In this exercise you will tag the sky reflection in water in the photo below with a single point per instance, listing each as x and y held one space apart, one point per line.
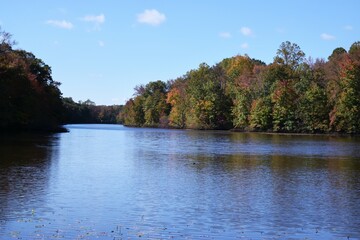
112 182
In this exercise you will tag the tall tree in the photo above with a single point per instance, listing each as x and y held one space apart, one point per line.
284 99
337 52
155 105
241 84
289 54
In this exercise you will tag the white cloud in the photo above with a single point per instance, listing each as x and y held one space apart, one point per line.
152 17
60 24
244 46
101 43
246 31
327 37
97 20
225 35
348 27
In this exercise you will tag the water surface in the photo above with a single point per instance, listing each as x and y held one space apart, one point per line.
113 182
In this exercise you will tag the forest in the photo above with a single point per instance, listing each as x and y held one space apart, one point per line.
294 94
31 100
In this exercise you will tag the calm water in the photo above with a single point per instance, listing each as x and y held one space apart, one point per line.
112 182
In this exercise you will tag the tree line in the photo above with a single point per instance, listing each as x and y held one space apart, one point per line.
31 100
89 112
292 94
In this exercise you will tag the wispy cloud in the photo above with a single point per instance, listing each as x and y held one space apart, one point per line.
225 35
151 17
348 27
60 24
101 44
246 31
327 37
97 20
244 46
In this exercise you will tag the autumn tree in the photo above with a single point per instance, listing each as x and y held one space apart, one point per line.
177 98
242 86
292 94
346 113
29 97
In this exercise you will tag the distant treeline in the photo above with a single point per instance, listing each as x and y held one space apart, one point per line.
292 94
31 100
88 112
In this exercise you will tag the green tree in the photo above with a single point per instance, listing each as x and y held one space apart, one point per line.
133 113
148 107
287 86
261 114
155 106
284 100
337 52
241 108
289 54
314 110
208 104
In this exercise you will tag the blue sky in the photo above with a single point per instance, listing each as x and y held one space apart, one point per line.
100 50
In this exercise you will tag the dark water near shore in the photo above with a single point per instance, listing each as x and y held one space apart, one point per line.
112 182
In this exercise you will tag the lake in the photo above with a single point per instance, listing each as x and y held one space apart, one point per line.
114 182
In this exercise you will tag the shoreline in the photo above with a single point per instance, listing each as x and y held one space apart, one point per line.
334 134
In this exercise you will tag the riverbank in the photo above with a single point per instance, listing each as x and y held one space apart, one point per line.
254 131
45 129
